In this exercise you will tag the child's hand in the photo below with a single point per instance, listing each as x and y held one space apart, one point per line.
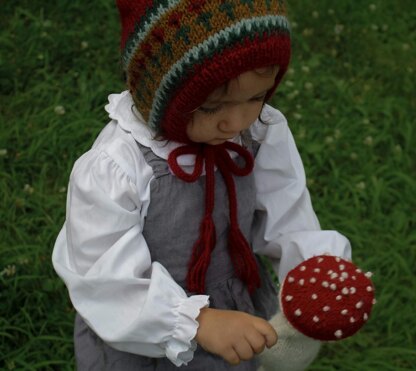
233 335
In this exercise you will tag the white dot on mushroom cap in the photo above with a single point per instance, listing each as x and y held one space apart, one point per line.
354 278
325 284
342 267
314 296
369 288
353 290
339 297
320 260
315 318
333 286
345 291
344 312
341 279
365 316
298 312
290 279
374 301
334 275
338 333
352 319
337 259
301 282
303 268
288 297
316 270
359 305
326 308
344 274
369 274
312 280
358 270
330 272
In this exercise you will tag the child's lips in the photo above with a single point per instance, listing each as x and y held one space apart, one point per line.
229 137
221 140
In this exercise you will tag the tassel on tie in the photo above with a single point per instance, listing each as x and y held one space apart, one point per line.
201 255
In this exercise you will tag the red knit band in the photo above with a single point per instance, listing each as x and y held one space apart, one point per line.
129 15
221 68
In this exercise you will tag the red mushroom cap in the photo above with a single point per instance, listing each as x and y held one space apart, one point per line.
327 298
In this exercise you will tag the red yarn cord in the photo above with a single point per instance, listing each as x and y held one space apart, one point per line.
201 252
229 182
242 257
246 155
201 256
239 249
209 154
177 170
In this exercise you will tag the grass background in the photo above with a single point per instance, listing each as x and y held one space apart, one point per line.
350 101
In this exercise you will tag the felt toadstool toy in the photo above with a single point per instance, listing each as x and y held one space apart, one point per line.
325 298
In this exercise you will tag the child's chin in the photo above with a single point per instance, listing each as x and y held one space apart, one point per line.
216 142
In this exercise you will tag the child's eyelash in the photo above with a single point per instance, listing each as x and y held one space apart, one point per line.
211 111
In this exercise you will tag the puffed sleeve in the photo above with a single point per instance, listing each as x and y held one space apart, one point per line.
285 226
134 305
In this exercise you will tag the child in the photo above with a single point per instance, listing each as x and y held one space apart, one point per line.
193 175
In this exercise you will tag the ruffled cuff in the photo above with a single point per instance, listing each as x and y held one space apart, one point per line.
181 347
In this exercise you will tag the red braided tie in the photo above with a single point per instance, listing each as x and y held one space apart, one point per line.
241 255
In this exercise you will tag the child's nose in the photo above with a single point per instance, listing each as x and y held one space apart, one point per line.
234 122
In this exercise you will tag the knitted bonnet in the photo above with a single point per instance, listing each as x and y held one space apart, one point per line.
175 54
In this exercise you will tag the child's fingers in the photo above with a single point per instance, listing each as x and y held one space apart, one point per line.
257 341
267 331
231 357
244 350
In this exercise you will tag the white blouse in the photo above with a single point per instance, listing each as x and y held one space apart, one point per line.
132 303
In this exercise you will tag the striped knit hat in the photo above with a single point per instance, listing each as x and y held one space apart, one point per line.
176 52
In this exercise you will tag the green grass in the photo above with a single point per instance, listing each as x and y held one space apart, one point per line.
349 98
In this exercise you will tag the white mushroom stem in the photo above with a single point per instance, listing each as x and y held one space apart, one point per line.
294 351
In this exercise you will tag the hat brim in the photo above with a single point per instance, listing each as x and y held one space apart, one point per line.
205 78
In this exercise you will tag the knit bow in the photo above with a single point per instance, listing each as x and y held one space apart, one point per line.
241 255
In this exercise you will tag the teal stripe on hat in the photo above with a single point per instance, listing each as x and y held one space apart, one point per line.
215 44
145 25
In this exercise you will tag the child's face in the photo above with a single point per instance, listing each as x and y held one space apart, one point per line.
225 114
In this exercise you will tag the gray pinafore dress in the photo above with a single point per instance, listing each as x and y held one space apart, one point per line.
171 229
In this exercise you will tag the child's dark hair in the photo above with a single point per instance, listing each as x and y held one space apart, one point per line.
260 119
